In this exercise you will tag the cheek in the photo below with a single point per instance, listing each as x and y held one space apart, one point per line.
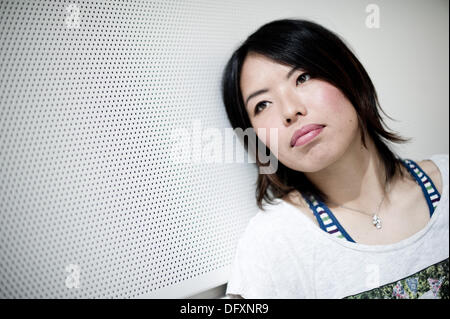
337 107
331 98
274 138
259 125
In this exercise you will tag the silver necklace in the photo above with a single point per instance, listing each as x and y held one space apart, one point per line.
376 220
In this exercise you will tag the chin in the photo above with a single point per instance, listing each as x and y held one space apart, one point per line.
307 166
316 167
312 163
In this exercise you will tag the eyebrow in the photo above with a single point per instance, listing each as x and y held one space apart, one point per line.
288 75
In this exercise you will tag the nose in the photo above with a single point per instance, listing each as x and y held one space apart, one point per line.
292 119
292 109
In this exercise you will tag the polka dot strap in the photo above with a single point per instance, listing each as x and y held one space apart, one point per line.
429 190
326 219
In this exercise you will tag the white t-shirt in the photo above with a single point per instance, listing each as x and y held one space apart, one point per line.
283 254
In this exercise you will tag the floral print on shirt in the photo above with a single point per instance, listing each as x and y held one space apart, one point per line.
429 283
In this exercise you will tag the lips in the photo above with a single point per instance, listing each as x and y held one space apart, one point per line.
304 130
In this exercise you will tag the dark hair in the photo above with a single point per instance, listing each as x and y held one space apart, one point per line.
321 53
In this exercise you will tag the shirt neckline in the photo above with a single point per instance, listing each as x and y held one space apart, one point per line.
380 248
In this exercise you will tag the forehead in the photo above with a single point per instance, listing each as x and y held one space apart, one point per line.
258 70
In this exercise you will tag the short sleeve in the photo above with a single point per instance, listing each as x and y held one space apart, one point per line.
250 270
441 160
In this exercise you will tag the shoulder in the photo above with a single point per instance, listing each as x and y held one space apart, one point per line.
269 226
256 232
265 222
436 167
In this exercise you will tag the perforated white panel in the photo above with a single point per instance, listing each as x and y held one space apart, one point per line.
91 203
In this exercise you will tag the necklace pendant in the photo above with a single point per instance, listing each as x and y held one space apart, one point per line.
376 221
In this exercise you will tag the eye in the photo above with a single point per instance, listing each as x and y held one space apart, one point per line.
258 105
304 77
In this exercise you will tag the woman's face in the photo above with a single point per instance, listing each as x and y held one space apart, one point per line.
291 103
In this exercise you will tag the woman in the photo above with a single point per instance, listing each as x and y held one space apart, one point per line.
346 217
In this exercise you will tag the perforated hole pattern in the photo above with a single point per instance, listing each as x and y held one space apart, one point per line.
90 92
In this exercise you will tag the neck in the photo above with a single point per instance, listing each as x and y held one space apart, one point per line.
357 179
